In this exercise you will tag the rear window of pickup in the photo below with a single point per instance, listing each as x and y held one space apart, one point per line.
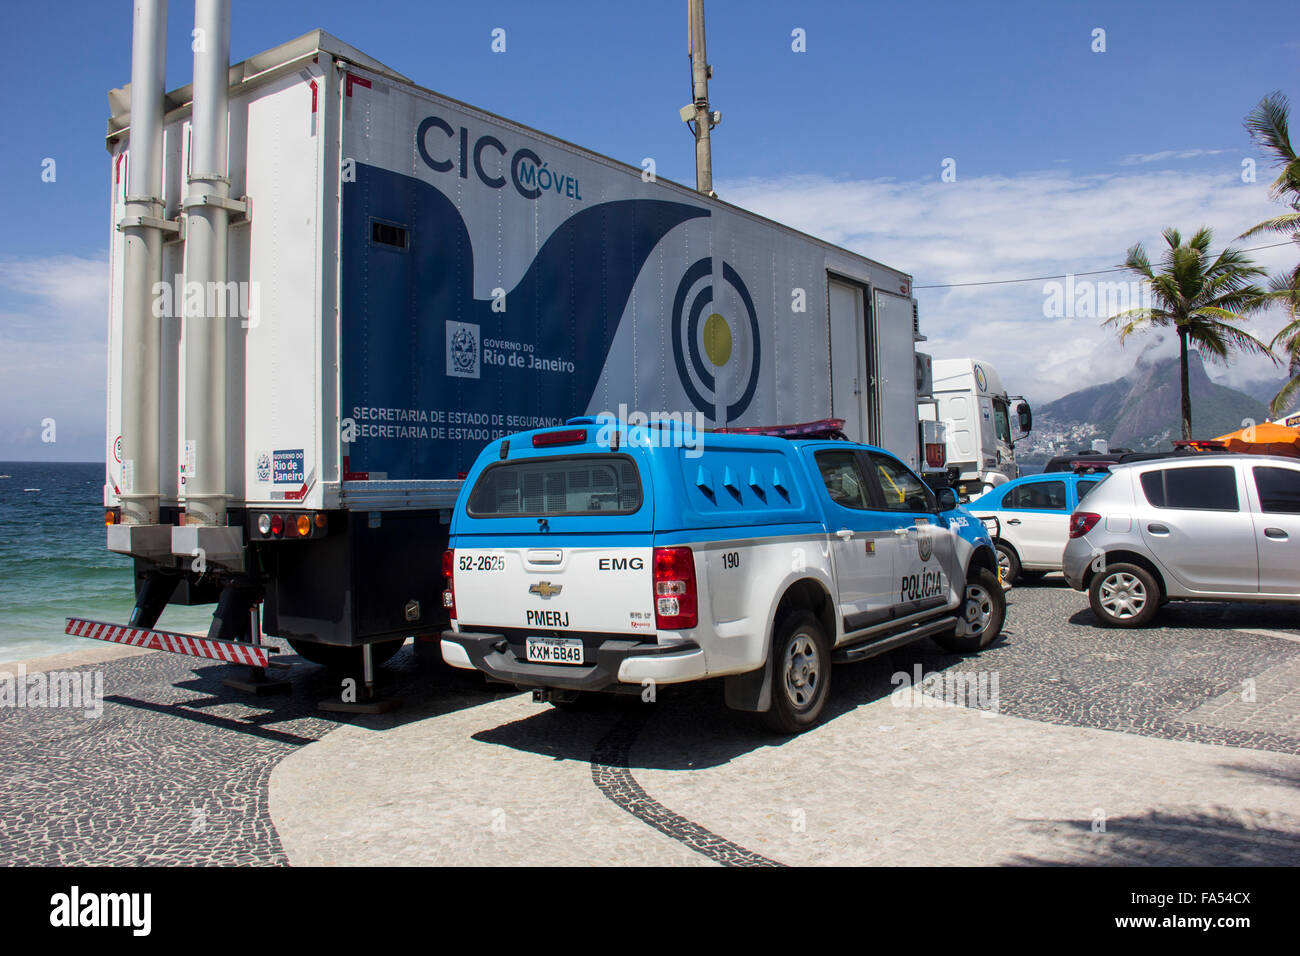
546 487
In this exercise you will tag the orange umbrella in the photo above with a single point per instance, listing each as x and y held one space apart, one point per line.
1265 438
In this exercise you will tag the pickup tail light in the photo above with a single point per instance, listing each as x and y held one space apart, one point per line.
1081 522
571 436
676 604
449 593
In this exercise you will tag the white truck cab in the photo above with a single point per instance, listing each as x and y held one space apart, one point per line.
982 422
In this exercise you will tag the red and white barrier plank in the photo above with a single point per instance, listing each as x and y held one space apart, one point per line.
228 652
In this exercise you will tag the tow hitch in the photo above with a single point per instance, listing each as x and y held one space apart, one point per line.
553 695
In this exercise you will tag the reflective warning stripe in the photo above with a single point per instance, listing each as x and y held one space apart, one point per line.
230 652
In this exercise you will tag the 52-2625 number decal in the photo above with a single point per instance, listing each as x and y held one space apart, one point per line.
480 562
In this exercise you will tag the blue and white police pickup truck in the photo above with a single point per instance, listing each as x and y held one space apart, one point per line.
605 557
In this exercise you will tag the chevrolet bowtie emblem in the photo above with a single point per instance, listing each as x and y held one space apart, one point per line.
545 589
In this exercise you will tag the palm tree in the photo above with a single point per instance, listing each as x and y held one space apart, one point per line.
1201 297
1268 128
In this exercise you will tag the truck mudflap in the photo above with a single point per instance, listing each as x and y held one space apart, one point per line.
228 652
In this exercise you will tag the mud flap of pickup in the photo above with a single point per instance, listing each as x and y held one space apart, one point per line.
751 691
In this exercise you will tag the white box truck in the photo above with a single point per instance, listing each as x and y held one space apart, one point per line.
406 278
982 423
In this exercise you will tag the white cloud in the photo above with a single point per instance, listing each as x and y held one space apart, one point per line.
53 332
1136 158
1039 224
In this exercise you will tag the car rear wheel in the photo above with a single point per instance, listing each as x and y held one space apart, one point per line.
981 614
1124 595
1008 563
801 673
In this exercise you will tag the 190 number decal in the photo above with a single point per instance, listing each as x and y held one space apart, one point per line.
731 559
481 562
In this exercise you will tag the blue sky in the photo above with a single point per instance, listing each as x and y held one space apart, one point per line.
1064 156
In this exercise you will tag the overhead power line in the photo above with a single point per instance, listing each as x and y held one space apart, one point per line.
1094 272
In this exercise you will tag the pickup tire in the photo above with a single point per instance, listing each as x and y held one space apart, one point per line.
800 665
344 659
982 610
1009 562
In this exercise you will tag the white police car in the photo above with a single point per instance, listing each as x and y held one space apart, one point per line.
602 557
1033 519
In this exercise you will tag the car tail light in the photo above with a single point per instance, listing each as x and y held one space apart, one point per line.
570 436
674 587
1081 522
449 594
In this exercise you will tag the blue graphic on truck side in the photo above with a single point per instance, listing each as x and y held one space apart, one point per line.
430 373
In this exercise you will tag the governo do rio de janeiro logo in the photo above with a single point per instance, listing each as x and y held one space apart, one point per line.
715 341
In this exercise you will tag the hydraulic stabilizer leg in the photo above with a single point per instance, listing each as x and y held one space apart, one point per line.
258 681
368 701
151 596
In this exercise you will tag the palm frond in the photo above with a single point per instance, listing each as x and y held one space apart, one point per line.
1267 125
1287 224
1224 339
1282 400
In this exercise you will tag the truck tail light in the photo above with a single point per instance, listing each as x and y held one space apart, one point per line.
674 586
295 525
1081 522
449 593
936 455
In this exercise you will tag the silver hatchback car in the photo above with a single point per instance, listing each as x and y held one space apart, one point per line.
1200 528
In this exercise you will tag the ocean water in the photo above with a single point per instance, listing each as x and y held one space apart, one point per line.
53 562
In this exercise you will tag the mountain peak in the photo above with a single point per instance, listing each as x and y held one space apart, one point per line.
1142 409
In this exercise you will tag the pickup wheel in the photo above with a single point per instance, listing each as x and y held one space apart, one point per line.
982 612
801 673
345 659
1124 595
1008 563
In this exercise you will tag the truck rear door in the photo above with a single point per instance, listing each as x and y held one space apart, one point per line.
895 378
551 548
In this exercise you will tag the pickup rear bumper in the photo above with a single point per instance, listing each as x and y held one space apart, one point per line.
619 665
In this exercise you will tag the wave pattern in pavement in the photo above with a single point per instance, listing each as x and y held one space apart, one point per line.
611 774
